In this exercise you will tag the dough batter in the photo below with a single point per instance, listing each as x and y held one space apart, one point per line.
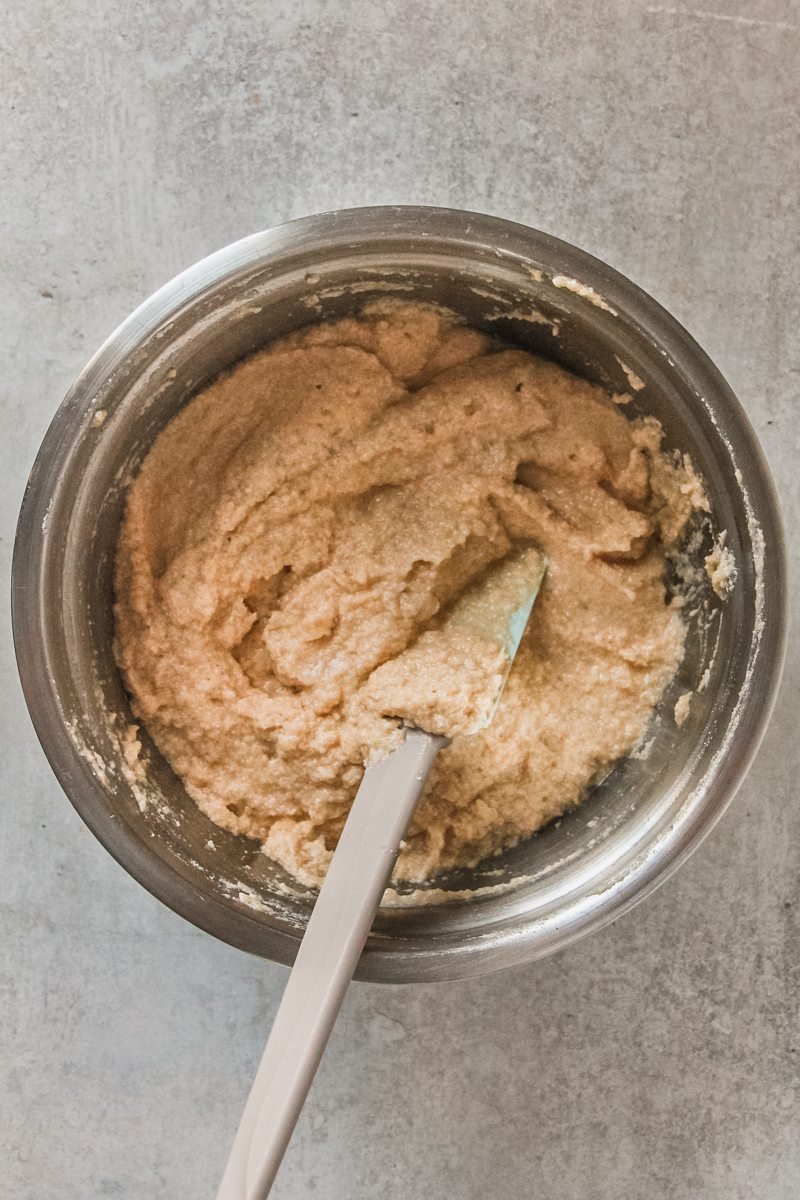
299 528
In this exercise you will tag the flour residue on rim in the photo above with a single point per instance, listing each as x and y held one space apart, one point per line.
584 291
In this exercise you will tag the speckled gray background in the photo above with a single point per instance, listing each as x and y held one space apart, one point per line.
659 1058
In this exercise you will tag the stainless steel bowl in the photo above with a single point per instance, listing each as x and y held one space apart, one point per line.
528 288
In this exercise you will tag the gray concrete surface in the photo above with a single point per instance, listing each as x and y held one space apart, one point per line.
657 1059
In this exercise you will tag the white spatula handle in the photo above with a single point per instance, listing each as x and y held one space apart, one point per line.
333 941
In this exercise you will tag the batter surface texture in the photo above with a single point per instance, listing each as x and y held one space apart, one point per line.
296 535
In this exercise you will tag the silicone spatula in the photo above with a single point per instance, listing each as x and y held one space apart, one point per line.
496 609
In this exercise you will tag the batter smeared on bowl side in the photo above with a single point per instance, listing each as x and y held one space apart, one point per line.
296 534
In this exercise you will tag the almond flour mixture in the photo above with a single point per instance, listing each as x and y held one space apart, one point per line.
298 530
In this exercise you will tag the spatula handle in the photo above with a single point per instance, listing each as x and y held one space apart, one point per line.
333 941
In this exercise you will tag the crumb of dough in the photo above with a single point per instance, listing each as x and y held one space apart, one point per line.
634 380
682 706
721 567
132 751
297 531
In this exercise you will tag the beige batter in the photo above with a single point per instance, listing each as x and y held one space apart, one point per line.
296 535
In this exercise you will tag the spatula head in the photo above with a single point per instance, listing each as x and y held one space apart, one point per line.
448 682
496 608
